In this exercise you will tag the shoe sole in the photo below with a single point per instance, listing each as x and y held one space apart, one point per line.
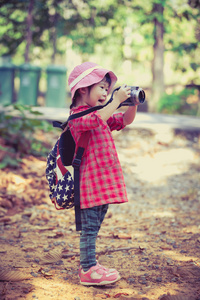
101 283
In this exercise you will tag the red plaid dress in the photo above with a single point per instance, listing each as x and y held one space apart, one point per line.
101 177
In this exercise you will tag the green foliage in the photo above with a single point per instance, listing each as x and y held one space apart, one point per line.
8 158
177 103
82 21
18 134
169 103
110 32
12 24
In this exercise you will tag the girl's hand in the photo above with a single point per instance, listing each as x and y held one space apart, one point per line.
122 94
119 96
129 115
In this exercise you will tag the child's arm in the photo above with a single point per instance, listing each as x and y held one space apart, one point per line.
129 115
119 96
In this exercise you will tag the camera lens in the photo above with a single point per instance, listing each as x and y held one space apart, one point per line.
141 96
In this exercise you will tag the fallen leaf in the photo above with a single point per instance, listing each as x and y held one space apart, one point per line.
45 228
165 248
5 220
55 234
142 248
122 236
118 295
101 296
51 257
29 249
46 274
44 216
13 276
169 297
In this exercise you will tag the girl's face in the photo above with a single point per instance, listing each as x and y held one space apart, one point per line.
97 94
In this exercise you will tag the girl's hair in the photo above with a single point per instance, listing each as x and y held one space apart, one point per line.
108 80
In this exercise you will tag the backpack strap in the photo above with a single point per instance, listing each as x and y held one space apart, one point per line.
77 115
82 113
82 145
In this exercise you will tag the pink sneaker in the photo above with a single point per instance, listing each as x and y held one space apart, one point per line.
104 268
98 275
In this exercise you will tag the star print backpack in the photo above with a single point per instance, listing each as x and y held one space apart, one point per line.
64 190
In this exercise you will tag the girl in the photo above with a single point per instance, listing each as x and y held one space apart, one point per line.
101 178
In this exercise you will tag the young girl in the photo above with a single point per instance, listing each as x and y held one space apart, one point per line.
101 178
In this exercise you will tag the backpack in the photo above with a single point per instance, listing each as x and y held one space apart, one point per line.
64 192
61 195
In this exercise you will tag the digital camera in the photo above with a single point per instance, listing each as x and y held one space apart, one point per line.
137 97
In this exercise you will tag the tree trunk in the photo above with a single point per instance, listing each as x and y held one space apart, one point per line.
54 17
29 22
158 86
53 57
54 37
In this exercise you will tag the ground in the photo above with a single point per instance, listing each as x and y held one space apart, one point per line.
153 240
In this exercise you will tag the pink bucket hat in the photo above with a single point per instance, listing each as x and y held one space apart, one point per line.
86 74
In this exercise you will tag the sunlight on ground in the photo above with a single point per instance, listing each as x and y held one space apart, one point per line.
18 179
59 290
176 256
33 163
163 164
17 184
163 214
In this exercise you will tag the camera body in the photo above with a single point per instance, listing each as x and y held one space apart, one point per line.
137 97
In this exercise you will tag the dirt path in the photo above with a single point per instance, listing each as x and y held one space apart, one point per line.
159 229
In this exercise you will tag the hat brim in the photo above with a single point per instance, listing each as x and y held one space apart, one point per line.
94 77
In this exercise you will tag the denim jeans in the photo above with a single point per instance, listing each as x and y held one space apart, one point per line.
91 219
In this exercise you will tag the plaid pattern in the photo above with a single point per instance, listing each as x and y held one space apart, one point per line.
91 219
101 177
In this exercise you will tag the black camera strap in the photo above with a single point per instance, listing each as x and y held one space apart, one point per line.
83 113
76 116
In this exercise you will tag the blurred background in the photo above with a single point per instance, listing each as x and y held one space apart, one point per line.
153 44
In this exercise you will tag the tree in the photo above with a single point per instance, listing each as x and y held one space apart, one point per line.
29 22
132 36
172 26
22 23
12 26
158 85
